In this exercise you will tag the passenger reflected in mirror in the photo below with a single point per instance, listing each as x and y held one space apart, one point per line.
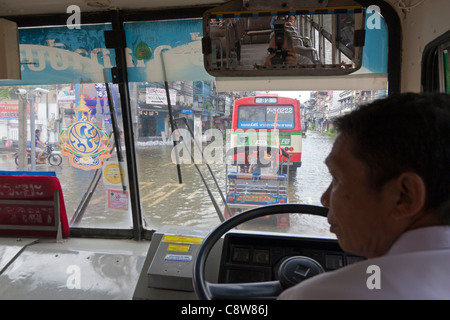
300 42
281 47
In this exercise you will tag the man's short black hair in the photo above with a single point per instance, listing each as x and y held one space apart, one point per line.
404 132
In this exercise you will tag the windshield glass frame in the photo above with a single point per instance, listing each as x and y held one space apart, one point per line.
138 230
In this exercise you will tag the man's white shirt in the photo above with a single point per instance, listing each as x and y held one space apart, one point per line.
417 266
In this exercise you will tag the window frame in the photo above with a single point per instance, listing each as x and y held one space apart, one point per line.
432 77
117 19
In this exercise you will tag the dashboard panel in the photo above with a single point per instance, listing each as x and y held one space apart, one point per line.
256 258
237 257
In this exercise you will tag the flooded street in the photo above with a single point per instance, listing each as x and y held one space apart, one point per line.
166 202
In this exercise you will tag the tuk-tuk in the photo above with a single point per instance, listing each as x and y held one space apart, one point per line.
257 176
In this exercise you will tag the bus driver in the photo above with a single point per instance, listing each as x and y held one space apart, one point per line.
389 201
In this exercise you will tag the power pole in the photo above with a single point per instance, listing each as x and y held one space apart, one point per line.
22 133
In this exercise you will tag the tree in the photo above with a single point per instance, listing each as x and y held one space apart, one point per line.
5 93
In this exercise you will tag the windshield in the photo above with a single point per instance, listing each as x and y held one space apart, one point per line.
180 136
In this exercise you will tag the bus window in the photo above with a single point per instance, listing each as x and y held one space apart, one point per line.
63 95
267 117
74 66
255 120
435 65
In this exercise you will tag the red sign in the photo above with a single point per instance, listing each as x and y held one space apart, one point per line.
28 206
11 110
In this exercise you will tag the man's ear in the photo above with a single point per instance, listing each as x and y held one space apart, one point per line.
411 193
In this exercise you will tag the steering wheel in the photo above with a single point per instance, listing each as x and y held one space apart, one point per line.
212 291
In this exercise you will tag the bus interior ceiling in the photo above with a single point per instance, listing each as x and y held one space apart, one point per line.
29 7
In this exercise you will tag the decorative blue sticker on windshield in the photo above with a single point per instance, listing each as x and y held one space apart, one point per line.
156 51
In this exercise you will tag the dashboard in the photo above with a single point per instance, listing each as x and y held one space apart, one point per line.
256 258
238 257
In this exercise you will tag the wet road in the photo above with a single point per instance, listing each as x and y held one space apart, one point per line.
166 202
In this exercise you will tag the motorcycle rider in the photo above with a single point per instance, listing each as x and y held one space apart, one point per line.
40 147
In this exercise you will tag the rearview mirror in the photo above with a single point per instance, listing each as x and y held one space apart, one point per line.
286 42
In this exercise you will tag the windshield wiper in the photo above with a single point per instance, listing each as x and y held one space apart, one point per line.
213 200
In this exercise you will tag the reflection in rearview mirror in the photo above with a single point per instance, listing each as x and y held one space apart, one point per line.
326 41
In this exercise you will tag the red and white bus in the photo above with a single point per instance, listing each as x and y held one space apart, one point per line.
256 120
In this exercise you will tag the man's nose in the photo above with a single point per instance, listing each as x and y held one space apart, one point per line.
324 199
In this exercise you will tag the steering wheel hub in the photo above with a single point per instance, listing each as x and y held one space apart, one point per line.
294 270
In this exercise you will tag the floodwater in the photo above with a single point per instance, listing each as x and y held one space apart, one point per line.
165 201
